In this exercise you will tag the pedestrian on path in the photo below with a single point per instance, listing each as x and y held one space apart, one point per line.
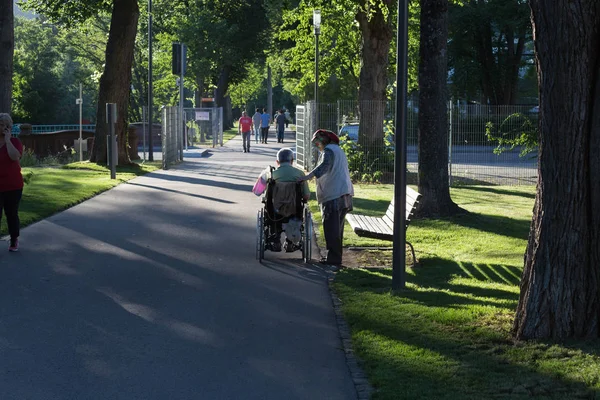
256 119
280 125
11 180
245 128
265 122
334 192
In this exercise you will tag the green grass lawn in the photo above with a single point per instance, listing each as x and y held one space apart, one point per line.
49 190
229 134
447 335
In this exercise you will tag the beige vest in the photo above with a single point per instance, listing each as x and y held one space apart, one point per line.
336 182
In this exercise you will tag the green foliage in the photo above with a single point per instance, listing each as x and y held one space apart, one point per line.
28 159
369 164
488 38
516 130
49 63
69 13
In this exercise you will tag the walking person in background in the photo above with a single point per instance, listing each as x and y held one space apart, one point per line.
288 118
11 180
245 128
334 192
280 125
256 120
264 126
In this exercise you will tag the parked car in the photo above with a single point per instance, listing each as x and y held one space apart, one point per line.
350 131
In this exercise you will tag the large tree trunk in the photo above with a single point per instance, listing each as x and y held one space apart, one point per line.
559 286
7 46
433 120
116 79
377 32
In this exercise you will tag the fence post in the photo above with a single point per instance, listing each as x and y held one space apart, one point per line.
111 119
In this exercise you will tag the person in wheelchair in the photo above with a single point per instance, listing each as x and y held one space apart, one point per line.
285 203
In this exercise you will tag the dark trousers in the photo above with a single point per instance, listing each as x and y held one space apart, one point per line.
9 201
246 140
280 132
333 214
264 134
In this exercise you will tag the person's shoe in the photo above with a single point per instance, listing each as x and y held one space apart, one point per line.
326 262
14 245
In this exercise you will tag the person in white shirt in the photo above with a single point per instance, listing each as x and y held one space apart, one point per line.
256 121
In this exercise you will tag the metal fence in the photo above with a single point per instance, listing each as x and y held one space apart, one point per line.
204 126
172 137
472 156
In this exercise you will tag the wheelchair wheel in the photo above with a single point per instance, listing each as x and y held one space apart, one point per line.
260 235
307 237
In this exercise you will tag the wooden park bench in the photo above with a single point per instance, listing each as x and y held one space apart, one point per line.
383 227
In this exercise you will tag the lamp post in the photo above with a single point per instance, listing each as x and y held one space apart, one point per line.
317 26
399 252
150 144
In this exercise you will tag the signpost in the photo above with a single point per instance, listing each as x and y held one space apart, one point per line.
80 102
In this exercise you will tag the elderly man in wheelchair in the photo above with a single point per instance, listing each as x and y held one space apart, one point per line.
285 210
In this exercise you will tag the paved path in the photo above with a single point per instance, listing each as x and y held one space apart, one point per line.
152 291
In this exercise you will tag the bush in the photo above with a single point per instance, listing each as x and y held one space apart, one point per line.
28 159
516 130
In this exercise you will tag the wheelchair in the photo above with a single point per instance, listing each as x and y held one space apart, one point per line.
284 211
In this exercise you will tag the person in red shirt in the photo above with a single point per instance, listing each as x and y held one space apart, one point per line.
245 128
11 180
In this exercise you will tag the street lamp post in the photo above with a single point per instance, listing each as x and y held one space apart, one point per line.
150 144
317 26
399 252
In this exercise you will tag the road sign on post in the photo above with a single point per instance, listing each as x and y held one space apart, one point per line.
80 102
111 145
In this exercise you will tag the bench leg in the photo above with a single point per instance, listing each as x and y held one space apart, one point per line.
412 250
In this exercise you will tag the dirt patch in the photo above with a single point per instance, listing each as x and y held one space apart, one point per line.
371 258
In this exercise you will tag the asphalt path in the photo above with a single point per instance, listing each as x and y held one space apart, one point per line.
151 291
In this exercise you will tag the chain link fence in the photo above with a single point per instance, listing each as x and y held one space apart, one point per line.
474 134
204 126
172 138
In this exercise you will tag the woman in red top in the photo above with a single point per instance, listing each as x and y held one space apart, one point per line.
11 180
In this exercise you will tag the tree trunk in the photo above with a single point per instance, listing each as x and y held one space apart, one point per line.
116 79
199 92
559 286
7 46
222 88
433 119
377 32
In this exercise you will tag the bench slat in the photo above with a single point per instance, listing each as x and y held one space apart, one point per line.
383 227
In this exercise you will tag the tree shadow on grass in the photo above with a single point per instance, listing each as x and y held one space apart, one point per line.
437 273
500 191
437 354
438 364
499 225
